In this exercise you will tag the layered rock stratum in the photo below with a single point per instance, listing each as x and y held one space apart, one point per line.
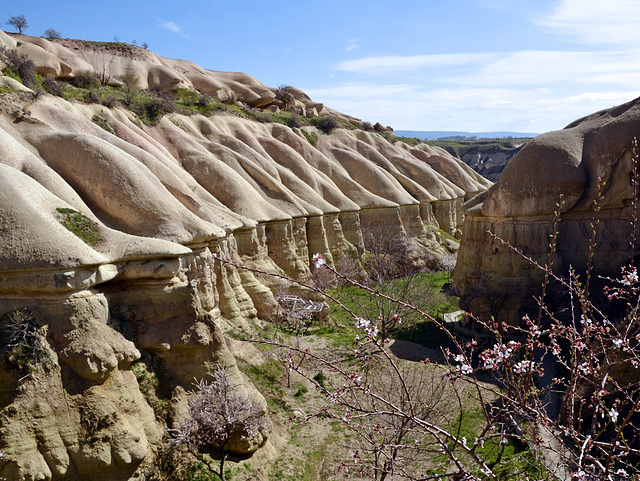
562 172
162 202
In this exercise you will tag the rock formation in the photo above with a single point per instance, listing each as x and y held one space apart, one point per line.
591 152
109 237
489 162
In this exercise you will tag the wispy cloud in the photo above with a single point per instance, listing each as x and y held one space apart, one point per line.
478 109
596 21
378 64
352 44
520 90
546 68
173 27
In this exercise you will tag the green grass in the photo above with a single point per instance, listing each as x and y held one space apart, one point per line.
444 234
511 460
311 137
309 468
412 141
7 72
79 224
417 329
101 122
269 378
151 106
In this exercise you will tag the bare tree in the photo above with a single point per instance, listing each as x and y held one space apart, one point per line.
387 266
219 412
52 33
102 64
389 441
19 22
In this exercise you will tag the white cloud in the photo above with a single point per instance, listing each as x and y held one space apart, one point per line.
544 68
411 107
526 91
378 64
352 44
596 21
173 27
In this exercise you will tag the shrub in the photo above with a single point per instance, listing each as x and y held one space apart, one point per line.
110 101
91 97
294 122
188 97
326 124
24 345
155 107
320 379
86 79
130 88
204 100
8 72
20 64
52 86
285 96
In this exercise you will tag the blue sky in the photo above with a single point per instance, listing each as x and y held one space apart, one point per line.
470 65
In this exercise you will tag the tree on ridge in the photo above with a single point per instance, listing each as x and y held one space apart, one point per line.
19 22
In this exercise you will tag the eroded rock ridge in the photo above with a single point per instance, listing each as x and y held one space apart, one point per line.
593 153
152 206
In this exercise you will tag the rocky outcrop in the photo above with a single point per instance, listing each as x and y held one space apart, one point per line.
489 162
111 238
592 152
67 59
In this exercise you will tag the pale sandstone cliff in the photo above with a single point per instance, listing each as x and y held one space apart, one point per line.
165 199
520 208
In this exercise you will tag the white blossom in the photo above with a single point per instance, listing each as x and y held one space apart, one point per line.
614 415
523 366
319 260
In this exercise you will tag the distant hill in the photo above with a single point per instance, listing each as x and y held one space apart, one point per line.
439 134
